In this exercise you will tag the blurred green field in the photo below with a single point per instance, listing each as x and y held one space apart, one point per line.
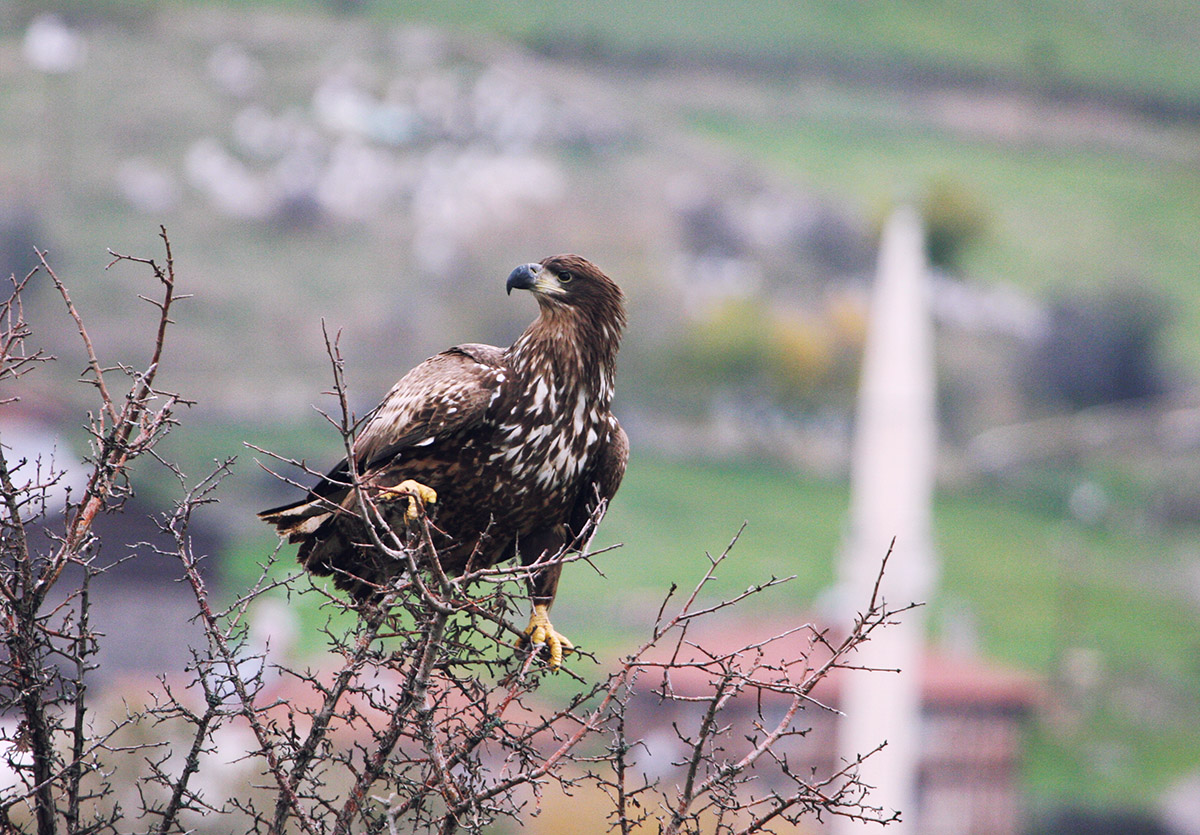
1139 47
1039 587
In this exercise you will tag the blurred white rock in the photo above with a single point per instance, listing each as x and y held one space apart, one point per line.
234 70
51 46
149 187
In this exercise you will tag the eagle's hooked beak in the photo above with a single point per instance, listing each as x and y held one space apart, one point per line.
523 277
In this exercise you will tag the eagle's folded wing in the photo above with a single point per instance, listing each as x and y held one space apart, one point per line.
446 393
601 485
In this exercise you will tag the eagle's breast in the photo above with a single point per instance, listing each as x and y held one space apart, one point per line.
550 422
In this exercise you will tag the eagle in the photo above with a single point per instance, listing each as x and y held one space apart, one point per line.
514 451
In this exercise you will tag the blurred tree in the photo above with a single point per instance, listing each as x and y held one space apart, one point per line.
20 233
777 358
1098 822
814 357
730 346
954 218
1100 350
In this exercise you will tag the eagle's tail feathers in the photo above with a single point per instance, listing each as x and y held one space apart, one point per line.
299 520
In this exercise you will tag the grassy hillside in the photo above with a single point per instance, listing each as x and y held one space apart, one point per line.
1108 196
1140 48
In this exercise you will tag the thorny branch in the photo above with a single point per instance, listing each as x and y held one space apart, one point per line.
458 766
426 713
49 655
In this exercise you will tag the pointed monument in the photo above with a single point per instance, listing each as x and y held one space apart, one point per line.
892 474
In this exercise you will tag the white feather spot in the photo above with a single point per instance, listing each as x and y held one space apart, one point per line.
539 394
580 408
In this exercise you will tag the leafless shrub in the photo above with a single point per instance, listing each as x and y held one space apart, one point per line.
424 717
49 649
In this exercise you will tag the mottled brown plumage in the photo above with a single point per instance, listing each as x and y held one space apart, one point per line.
519 444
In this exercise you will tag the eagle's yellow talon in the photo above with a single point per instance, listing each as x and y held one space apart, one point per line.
540 631
410 489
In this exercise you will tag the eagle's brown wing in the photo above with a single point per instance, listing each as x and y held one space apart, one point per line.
446 393
604 478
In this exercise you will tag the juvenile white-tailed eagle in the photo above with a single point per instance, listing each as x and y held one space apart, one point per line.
513 449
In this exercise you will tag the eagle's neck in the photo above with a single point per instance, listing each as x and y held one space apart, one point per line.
570 350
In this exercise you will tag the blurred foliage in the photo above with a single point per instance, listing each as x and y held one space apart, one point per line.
730 345
1091 822
1099 350
955 217
796 360
21 235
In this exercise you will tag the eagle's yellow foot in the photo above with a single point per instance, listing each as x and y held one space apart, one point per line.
410 490
540 631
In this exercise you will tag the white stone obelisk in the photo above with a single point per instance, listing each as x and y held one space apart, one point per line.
892 473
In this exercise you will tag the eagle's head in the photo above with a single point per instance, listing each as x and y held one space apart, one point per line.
570 284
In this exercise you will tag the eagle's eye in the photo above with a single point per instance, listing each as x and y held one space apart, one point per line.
565 278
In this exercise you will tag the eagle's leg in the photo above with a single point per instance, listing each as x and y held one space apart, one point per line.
541 631
543 585
415 493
